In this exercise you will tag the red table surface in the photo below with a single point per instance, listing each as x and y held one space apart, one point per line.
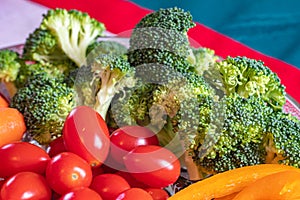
120 16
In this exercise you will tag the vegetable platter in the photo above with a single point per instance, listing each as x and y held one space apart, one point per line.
145 114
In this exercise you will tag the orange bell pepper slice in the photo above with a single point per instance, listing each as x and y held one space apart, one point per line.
281 185
228 182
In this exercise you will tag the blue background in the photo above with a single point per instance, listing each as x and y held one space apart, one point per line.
269 26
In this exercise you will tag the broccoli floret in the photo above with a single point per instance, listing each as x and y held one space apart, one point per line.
188 106
73 30
42 46
107 47
282 140
158 49
252 133
83 80
169 18
250 77
85 85
45 103
161 37
239 141
202 59
115 74
10 64
52 70
132 106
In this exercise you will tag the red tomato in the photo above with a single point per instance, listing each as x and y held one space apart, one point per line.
26 185
56 146
22 156
67 171
80 194
152 165
97 171
85 133
2 181
157 193
134 193
109 186
131 180
127 138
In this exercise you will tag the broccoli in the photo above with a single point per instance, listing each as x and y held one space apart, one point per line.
45 103
202 59
167 93
252 133
249 77
71 31
133 108
28 70
168 18
115 74
161 37
10 64
187 116
282 139
109 47
84 84
165 101
42 46
238 142
158 49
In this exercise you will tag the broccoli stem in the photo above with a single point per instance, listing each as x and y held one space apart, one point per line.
192 168
10 88
106 93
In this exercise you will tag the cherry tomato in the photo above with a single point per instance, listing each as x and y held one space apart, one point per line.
133 182
127 138
80 194
157 193
134 193
153 165
85 133
56 146
26 185
97 171
2 181
67 171
109 186
22 156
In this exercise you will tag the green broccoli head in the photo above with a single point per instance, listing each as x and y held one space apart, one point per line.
45 103
10 64
114 74
250 77
73 30
161 37
238 141
168 18
282 140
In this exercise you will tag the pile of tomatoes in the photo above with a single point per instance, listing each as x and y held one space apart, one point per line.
89 162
